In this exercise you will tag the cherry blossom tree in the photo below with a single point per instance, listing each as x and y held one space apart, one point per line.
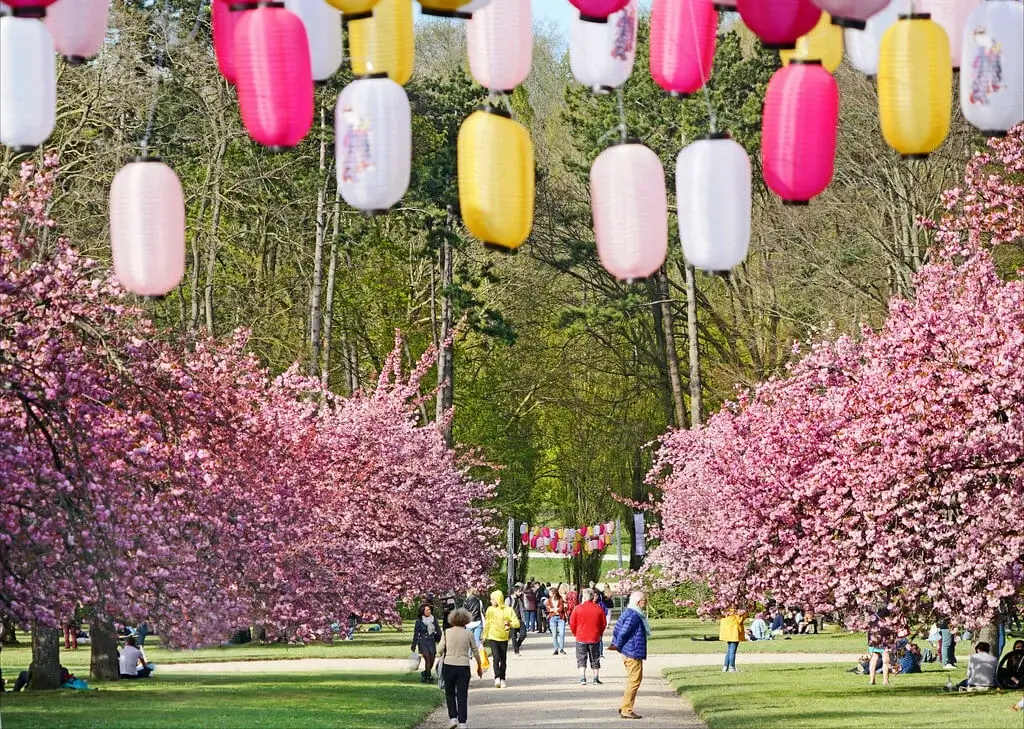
883 469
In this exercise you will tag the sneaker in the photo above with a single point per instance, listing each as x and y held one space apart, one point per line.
497 683
453 723
724 669
583 682
732 670
503 683
462 726
598 681
949 667
555 653
562 652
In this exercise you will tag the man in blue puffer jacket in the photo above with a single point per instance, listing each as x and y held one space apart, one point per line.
630 638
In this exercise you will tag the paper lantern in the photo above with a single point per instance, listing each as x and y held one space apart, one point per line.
824 42
725 6
384 42
610 527
863 47
627 193
496 179
992 74
601 55
147 227
323 32
354 9
452 8
545 532
952 16
598 10
851 13
224 22
524 538
78 28
499 41
600 528
778 23
31 5
713 196
28 81
373 143
682 44
523 528
798 131
914 79
274 79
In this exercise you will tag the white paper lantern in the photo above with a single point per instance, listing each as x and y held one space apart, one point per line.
373 143
323 30
601 55
863 47
499 41
627 194
992 70
78 28
713 195
147 227
28 81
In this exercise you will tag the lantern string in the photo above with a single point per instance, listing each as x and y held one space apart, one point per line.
622 113
712 119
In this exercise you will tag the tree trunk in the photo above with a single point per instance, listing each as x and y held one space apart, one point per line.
671 355
445 350
103 654
664 380
10 636
315 315
990 634
691 328
45 666
325 354
211 256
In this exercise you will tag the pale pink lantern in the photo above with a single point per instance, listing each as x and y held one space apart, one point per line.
147 227
78 28
778 23
682 44
952 16
598 10
499 41
627 194
798 131
851 13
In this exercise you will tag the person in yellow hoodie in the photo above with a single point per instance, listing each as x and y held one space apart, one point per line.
733 633
499 621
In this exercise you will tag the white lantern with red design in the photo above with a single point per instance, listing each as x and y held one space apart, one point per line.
601 55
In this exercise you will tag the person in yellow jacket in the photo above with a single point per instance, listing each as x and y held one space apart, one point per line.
733 633
499 621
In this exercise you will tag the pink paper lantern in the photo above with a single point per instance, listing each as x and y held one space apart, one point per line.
725 6
851 13
274 76
147 227
225 21
629 202
598 10
682 44
533 542
778 23
545 532
22 4
499 42
798 137
952 16
600 529
583 531
78 28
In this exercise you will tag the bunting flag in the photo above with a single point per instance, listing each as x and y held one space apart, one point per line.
567 540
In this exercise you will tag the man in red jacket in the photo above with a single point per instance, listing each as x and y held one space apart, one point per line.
587 624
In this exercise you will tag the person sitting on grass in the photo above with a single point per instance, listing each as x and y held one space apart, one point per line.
981 669
1018 706
810 624
132 661
758 629
1011 667
910 661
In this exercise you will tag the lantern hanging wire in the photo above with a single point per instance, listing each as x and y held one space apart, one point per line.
712 119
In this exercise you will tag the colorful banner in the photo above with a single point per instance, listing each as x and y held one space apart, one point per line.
568 540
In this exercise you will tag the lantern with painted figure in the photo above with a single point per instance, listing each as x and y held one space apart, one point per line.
714 198
147 227
601 55
630 208
863 47
274 77
914 79
992 71
824 42
778 23
28 80
323 32
496 178
384 42
952 16
798 137
78 28
499 42
682 44
851 13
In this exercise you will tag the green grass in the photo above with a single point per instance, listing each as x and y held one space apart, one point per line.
246 701
673 636
551 570
825 697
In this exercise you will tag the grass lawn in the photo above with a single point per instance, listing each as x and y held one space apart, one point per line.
553 570
673 636
824 697
252 701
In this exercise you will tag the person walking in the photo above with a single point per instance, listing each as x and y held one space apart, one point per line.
517 602
457 648
732 632
499 621
556 614
530 607
425 637
587 624
475 606
629 638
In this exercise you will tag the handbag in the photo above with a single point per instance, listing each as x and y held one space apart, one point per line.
413 662
440 673
485 662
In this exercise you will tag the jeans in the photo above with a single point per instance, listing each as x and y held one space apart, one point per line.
477 629
456 691
730 654
499 657
948 653
531 619
557 633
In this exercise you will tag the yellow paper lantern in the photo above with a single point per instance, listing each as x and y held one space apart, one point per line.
824 43
496 185
915 82
354 9
451 8
383 42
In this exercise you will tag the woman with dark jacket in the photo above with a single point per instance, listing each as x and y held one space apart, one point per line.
425 637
